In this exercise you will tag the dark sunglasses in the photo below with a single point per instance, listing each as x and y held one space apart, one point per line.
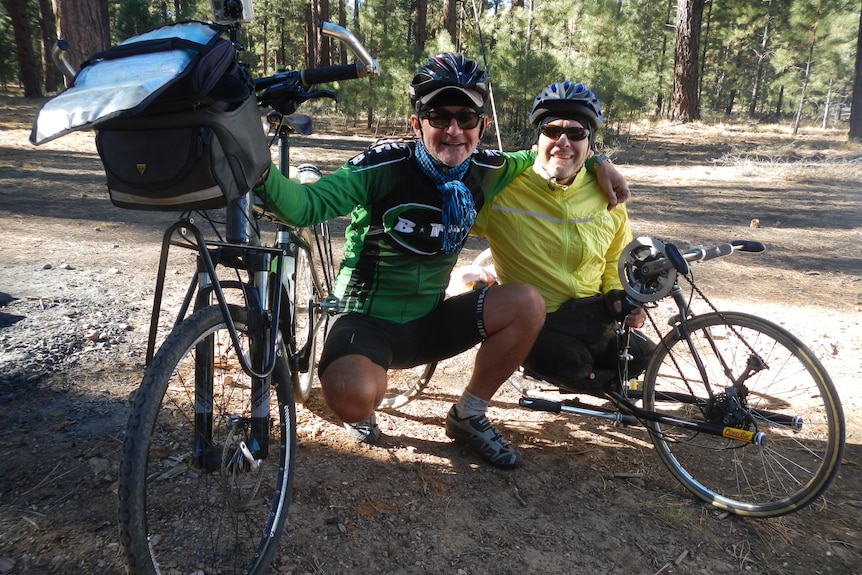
573 134
441 119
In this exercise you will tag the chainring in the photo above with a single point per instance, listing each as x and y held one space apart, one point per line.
630 267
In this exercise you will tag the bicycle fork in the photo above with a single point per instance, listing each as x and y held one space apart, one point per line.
247 438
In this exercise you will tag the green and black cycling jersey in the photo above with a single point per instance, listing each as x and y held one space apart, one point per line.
393 266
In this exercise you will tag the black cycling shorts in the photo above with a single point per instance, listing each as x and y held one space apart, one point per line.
453 327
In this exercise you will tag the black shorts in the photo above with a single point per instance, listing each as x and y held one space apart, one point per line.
580 338
453 327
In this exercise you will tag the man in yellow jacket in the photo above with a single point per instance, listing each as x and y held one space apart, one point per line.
552 228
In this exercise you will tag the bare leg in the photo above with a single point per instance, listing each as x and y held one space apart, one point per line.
514 314
353 386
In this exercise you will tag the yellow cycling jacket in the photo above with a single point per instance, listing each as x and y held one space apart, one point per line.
560 239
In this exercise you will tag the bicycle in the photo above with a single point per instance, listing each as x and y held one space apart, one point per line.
208 457
738 409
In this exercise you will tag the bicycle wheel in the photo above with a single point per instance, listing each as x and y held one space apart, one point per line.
180 514
405 385
783 391
305 342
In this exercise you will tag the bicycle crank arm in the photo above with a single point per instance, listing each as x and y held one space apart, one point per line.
538 404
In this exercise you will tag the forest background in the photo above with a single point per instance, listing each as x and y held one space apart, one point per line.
720 61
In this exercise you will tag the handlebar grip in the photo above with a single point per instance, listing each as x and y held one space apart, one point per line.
703 254
332 74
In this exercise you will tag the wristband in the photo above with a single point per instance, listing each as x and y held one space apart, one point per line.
592 163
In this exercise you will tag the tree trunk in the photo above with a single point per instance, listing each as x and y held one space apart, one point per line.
761 63
450 20
825 123
729 109
684 104
420 27
310 38
659 99
48 27
342 21
28 64
805 78
84 24
320 14
856 101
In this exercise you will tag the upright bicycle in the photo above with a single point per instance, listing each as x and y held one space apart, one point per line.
739 410
208 456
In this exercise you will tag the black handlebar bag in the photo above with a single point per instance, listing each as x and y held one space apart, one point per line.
183 161
176 119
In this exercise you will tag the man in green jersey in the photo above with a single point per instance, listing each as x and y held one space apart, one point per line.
411 207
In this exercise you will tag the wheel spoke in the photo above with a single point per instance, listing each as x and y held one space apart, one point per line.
753 375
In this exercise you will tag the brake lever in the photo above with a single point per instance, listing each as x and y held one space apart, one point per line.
319 94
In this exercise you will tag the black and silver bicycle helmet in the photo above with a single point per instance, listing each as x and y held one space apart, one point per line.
566 99
449 71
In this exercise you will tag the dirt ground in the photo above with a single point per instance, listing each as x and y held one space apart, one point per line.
77 275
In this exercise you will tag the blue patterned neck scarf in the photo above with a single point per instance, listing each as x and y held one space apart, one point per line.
459 212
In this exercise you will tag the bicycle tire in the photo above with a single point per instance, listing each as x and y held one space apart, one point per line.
307 295
313 281
800 458
405 385
174 516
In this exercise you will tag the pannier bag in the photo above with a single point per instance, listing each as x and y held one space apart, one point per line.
176 119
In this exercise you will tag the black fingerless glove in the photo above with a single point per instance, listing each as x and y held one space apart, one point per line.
618 295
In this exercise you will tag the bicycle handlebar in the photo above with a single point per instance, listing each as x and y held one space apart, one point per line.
369 64
311 76
284 91
679 261
60 56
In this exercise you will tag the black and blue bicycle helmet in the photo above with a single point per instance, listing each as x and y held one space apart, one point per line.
564 100
446 71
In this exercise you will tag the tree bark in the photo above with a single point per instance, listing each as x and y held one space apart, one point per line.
450 20
420 27
84 24
342 21
761 63
320 14
28 63
856 101
685 106
48 26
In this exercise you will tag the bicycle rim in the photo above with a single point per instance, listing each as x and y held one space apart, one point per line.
176 517
313 283
789 398
306 313
405 385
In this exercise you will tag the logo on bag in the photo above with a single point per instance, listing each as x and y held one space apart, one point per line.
141 168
